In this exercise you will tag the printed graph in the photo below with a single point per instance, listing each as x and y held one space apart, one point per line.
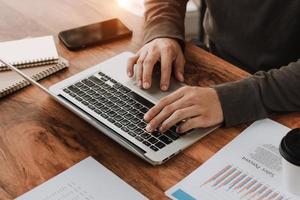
232 180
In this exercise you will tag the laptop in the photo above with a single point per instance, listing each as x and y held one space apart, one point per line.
105 97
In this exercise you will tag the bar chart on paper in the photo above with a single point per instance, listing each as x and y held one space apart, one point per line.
241 170
232 183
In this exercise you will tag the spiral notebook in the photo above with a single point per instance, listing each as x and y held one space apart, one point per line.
10 81
30 52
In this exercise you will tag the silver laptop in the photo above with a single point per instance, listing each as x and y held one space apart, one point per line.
106 98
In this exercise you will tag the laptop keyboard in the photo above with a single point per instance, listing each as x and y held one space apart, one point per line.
120 106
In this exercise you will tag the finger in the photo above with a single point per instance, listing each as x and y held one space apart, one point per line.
166 68
130 64
149 62
195 122
164 114
162 103
179 115
139 68
179 68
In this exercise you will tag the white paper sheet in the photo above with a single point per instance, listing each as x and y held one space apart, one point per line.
87 180
247 168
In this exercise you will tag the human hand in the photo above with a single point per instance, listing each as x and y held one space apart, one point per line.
165 50
190 107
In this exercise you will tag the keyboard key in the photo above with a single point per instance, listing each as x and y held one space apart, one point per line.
117 124
101 91
144 110
128 116
101 74
87 97
124 89
124 98
135 120
138 131
126 107
125 129
145 135
91 107
156 134
118 94
92 101
154 148
96 87
160 145
79 99
99 105
115 108
131 102
142 125
84 88
111 113
114 99
72 94
122 112
88 82
112 90
125 122
117 85
80 93
146 143
173 136
131 126
79 84
104 115
118 118
105 86
96 80
105 109
139 138
73 88
107 95
132 134
133 111
85 103
140 99
111 120
96 96
66 90
91 92
97 111
165 139
137 106
109 104
120 103
140 115
153 140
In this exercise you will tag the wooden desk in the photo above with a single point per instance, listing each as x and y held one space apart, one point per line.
39 138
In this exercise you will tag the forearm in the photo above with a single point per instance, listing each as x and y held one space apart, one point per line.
260 95
164 18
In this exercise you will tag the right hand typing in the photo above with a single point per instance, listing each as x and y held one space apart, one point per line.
165 50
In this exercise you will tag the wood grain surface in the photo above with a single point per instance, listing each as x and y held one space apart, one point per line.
39 138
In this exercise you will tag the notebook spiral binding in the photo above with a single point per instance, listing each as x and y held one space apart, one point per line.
31 63
36 77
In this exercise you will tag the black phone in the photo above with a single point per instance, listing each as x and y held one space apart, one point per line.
92 34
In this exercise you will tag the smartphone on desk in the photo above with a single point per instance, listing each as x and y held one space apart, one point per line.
93 34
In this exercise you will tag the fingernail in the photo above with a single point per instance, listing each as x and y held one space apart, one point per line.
146 85
149 128
161 129
178 130
164 87
146 117
129 74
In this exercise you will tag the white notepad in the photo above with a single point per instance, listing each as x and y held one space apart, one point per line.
29 52
86 180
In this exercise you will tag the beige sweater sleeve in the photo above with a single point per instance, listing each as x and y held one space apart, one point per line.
164 18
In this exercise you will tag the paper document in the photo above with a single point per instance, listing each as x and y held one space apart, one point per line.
247 168
87 180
